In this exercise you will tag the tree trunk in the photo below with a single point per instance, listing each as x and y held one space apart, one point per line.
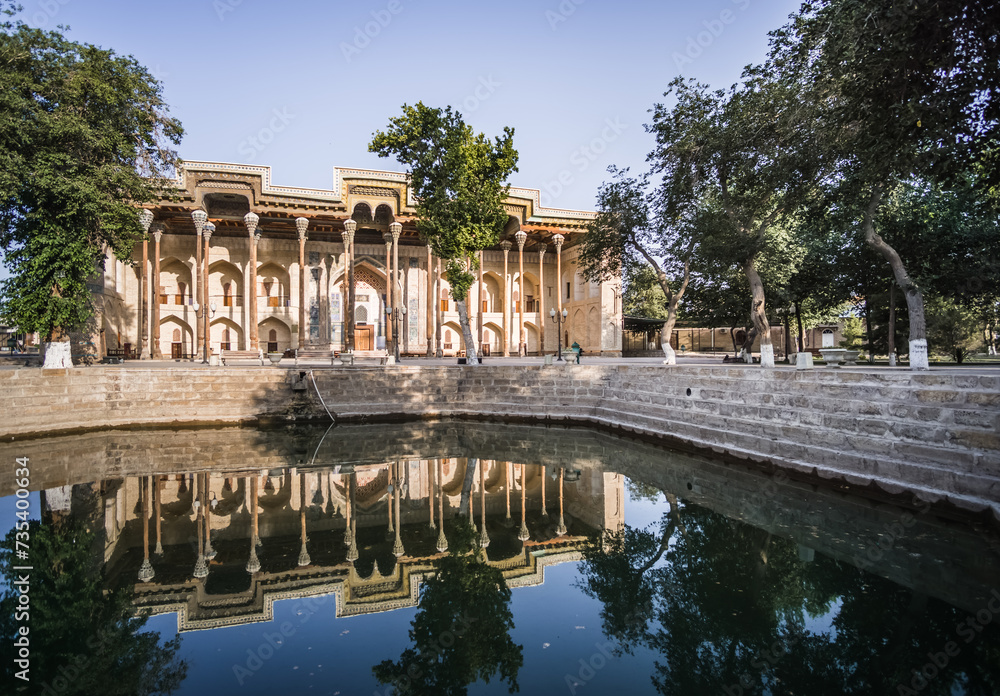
471 356
891 340
732 337
470 477
673 299
798 318
758 314
914 297
57 351
868 327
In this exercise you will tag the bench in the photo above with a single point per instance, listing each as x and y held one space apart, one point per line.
236 355
329 356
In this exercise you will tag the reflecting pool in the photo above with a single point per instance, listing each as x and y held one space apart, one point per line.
465 557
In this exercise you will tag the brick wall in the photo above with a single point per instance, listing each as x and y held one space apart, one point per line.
932 433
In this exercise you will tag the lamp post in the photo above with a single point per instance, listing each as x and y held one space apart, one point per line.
395 316
558 318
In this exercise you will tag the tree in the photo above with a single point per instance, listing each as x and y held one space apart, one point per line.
80 629
901 92
734 168
84 141
461 632
458 179
626 239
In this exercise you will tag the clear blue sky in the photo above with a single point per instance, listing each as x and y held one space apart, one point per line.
301 86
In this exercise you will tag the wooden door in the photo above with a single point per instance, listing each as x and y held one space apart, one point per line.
363 337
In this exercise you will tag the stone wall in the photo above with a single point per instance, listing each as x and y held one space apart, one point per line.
934 434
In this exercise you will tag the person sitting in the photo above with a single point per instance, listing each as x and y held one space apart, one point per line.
576 349
725 358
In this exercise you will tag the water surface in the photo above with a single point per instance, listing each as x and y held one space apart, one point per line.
458 557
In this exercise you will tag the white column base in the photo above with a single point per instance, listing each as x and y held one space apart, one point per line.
669 354
892 360
918 355
58 355
767 355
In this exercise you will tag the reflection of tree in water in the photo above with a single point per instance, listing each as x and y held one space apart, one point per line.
87 638
726 607
461 633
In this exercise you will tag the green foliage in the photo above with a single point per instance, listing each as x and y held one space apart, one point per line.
458 179
853 333
84 138
954 329
642 295
78 624
727 607
461 633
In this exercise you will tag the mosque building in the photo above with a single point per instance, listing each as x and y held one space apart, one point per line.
251 266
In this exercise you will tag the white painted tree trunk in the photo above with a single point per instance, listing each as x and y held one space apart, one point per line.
58 355
471 355
668 351
766 355
918 354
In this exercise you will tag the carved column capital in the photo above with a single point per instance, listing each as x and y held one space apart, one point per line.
252 220
200 217
302 225
521 237
145 219
558 240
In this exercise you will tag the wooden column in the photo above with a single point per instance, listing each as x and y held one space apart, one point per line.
350 226
142 347
430 309
558 241
157 236
396 229
522 346
200 217
302 225
205 304
389 275
440 314
479 301
541 298
251 219
506 245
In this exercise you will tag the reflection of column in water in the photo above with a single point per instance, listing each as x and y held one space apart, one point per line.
545 513
393 483
200 566
146 570
472 519
484 538
561 529
209 503
352 524
442 540
507 485
523 534
158 491
253 563
304 559
397 548
430 490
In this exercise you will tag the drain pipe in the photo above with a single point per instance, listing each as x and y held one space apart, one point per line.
313 378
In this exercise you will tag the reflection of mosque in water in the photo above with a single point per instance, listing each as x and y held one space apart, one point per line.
219 548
